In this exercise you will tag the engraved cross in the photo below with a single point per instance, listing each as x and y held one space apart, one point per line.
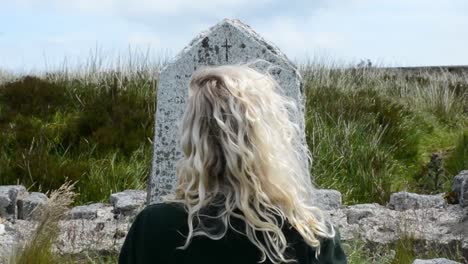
227 49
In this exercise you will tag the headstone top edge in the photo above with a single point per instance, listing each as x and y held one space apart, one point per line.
242 27
228 42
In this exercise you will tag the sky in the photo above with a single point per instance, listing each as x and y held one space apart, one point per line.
37 35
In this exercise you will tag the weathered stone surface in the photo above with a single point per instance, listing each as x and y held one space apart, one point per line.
77 236
435 261
8 198
327 199
460 187
91 211
98 235
15 233
404 200
356 213
458 180
442 228
128 202
29 203
5 202
228 42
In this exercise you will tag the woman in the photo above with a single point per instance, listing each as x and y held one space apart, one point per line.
244 191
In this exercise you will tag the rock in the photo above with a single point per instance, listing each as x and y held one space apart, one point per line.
356 213
444 229
98 235
327 199
128 202
77 236
458 180
92 211
8 198
435 261
228 42
29 204
460 187
401 201
2 229
14 233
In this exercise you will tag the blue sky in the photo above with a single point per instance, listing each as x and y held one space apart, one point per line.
37 34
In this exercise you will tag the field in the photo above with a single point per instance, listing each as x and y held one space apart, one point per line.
372 131
377 131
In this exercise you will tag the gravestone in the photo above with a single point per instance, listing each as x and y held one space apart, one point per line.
228 42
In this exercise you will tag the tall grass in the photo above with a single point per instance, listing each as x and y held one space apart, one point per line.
457 159
404 250
371 131
401 251
38 249
93 124
6 76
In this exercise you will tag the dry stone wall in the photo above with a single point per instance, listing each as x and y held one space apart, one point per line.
103 226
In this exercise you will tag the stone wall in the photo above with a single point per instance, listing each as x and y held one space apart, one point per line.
428 219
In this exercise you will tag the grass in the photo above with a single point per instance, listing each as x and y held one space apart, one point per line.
38 249
404 250
95 128
371 131
400 252
357 252
90 259
456 159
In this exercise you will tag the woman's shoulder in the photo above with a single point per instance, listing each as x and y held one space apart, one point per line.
154 230
163 211
167 208
164 215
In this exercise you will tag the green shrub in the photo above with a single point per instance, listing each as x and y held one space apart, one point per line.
31 96
120 123
114 173
371 131
96 134
359 140
349 158
370 107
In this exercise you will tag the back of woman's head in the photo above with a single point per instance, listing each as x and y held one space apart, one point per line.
239 144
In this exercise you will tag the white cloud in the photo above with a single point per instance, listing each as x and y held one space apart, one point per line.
415 32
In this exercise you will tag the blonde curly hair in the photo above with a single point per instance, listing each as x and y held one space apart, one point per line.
239 143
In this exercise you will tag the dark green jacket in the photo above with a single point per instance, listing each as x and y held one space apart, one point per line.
154 236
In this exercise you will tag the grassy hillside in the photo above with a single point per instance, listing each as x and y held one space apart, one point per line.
371 131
